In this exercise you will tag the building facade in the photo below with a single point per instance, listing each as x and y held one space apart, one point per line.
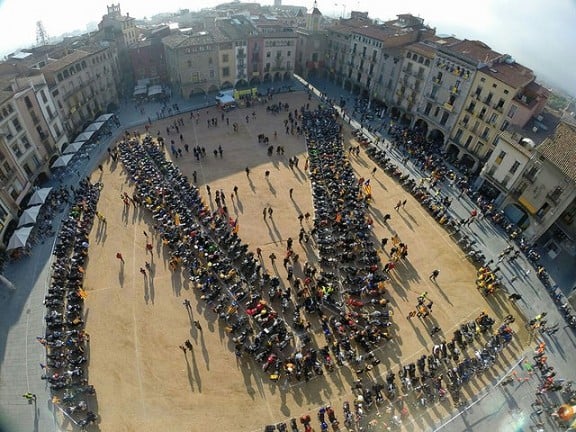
83 82
192 63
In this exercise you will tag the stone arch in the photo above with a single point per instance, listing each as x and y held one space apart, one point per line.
347 85
255 81
277 76
394 113
242 83
226 85
436 136
421 126
467 161
213 89
452 152
196 91
267 77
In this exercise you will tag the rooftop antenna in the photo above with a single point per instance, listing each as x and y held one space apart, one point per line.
41 34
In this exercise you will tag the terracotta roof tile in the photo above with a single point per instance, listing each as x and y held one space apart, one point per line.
560 149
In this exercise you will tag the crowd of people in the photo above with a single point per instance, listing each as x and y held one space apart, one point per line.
65 340
350 303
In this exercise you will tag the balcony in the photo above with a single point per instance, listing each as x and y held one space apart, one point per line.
499 108
555 195
455 91
437 81
448 107
531 174
431 96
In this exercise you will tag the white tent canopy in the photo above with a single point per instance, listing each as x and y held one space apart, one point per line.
19 238
62 161
74 147
94 127
39 196
155 90
84 136
29 215
104 117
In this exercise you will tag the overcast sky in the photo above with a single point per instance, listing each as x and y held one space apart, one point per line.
539 34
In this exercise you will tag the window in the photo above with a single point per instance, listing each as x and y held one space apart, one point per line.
225 57
436 111
514 167
25 142
428 108
209 60
43 96
189 63
27 170
268 54
505 125
512 111
212 73
16 150
27 102
468 141
226 72
458 136
444 118
17 125
500 158
543 210
288 53
493 118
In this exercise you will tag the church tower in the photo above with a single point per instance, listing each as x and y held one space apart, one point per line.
313 18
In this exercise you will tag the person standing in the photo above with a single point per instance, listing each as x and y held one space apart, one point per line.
434 275
120 257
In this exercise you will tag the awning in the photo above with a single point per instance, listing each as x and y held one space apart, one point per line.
29 216
62 161
225 100
155 90
39 196
74 147
140 91
19 238
84 136
94 127
104 117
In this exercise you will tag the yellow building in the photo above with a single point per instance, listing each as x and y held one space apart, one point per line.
496 100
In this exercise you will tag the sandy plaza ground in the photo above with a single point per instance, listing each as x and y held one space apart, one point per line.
136 322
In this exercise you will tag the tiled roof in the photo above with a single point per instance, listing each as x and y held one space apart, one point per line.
183 41
65 61
475 50
560 149
422 48
513 74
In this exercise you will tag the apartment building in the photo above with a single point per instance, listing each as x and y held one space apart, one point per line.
26 143
409 93
233 35
311 46
192 62
513 150
497 100
545 193
147 56
83 82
